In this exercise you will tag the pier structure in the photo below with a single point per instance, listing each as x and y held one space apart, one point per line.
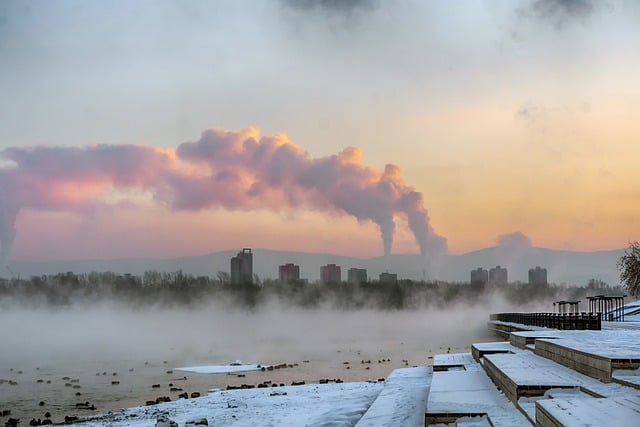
547 371
563 377
611 307
567 307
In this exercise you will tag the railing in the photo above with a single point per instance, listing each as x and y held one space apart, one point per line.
566 321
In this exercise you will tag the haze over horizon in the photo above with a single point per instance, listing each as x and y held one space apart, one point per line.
355 128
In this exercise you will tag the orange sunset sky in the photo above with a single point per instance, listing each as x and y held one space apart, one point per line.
506 117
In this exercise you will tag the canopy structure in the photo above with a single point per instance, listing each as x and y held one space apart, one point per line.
611 307
566 307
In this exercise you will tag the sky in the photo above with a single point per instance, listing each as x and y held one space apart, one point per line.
362 127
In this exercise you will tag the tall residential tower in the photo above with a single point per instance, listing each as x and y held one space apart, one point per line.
330 273
289 273
242 267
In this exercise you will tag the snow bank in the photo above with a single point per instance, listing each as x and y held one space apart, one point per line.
313 404
222 369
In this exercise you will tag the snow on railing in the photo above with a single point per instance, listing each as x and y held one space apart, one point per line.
581 321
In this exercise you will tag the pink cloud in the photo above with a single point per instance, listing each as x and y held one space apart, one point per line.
233 170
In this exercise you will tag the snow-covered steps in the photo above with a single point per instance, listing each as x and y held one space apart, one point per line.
473 421
618 411
519 375
454 361
469 395
503 329
528 404
525 339
558 378
526 374
630 378
478 350
594 353
402 401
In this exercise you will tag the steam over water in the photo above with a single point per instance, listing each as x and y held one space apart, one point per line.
86 343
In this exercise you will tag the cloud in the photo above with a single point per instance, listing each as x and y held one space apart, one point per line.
336 16
233 170
557 13
543 119
535 116
331 6
515 241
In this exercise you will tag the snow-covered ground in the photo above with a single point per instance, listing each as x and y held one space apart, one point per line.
311 405
398 401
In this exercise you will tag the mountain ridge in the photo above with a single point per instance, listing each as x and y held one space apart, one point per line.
572 267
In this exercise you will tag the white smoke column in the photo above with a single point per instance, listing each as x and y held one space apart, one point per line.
235 170
7 229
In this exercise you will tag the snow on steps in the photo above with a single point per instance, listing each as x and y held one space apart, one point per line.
469 393
616 411
402 401
525 373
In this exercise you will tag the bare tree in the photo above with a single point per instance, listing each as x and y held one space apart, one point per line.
223 277
629 266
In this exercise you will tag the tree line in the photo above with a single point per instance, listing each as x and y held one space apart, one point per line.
180 289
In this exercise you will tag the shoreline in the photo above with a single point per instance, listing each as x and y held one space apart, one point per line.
67 395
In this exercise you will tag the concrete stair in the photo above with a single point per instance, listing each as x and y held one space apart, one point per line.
402 401
462 393
539 370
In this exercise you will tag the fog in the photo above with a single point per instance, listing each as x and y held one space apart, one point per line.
97 340
212 333
48 323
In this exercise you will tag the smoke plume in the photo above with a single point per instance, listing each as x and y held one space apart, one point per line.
235 170
7 228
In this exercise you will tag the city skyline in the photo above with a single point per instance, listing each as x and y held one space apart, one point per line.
519 125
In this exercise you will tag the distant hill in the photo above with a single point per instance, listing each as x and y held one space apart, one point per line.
562 266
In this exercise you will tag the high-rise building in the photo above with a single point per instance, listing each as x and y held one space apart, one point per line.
330 273
498 276
479 277
538 276
289 273
242 267
355 276
388 278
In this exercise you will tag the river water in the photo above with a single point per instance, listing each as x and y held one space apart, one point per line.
110 356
